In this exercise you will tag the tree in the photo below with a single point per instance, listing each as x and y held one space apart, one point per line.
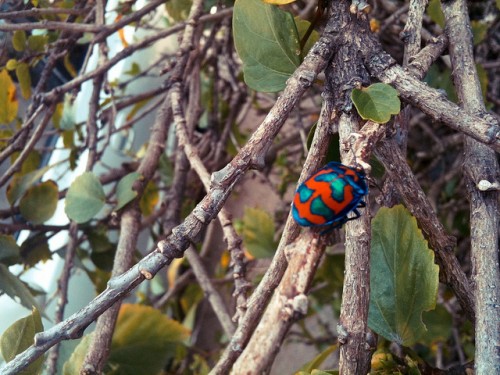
163 197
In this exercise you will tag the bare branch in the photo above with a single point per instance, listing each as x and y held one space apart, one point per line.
289 303
481 164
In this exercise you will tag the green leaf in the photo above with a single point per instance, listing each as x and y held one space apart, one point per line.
302 27
85 198
377 102
333 152
479 31
8 100
482 74
166 169
267 42
24 78
403 277
439 325
10 252
35 249
435 13
124 192
39 203
19 40
319 359
103 250
20 336
441 79
257 228
15 288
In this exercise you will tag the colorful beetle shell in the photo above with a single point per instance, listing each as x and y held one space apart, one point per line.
329 195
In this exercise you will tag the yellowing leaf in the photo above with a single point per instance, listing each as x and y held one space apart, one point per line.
279 2
35 249
37 43
30 164
24 78
178 10
19 336
149 199
147 335
57 115
172 271
258 233
19 40
39 203
70 68
11 64
8 100
143 342
302 28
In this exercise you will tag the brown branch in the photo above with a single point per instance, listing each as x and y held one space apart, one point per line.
218 305
480 164
355 345
484 129
62 291
276 270
51 25
251 155
288 304
230 235
54 94
35 12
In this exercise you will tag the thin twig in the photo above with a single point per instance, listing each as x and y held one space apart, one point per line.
62 287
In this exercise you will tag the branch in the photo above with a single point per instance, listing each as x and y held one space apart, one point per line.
484 129
251 155
34 12
213 296
274 275
289 303
354 338
54 94
62 289
480 164
314 63
51 25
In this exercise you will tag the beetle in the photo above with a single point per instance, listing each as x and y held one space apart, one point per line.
329 195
